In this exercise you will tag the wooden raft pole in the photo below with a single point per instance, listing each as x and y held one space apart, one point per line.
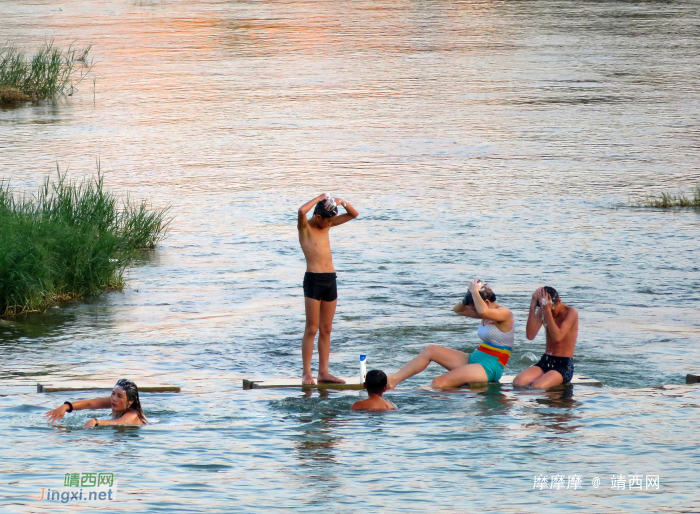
278 383
354 383
45 388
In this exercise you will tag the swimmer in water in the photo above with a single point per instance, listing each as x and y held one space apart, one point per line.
561 326
124 402
486 363
320 292
375 383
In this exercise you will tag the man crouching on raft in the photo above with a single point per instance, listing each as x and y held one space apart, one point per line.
561 324
320 292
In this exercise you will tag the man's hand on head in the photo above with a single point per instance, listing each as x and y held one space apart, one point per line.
544 300
537 294
547 304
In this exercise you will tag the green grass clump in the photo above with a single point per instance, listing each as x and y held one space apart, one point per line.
667 201
49 72
68 241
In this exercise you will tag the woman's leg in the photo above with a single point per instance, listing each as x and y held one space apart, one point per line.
445 357
460 376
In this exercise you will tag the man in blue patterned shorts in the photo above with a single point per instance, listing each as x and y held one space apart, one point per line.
561 324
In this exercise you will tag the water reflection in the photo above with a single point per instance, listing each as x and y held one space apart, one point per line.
316 443
555 410
491 400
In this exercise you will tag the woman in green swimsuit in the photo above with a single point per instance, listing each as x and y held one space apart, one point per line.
486 363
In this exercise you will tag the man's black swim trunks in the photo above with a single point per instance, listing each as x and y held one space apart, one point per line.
564 365
320 286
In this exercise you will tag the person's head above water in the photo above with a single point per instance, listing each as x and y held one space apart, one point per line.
375 382
326 209
552 294
485 292
125 396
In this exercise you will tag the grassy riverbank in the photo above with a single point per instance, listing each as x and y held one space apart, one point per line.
70 240
667 201
49 72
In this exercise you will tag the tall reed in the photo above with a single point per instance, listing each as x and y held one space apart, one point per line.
667 200
70 240
49 72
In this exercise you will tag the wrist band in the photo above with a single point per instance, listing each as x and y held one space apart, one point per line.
70 406
97 423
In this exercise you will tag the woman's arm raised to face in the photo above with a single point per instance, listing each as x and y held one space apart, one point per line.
465 310
498 314
486 312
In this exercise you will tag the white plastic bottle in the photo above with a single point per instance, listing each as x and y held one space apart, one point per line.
363 368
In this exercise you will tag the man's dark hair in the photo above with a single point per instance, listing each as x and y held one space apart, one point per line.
485 292
326 209
552 293
375 381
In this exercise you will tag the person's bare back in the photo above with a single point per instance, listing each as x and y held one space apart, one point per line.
375 383
374 403
320 290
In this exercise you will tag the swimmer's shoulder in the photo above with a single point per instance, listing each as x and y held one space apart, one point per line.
359 405
131 418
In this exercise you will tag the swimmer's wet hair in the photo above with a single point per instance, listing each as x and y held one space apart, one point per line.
375 381
326 209
485 292
132 395
552 293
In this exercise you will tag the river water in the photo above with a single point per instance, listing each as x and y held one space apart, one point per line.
488 139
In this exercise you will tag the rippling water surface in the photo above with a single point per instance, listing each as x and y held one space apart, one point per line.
489 139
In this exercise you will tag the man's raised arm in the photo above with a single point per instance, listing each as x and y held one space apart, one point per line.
304 210
534 318
350 213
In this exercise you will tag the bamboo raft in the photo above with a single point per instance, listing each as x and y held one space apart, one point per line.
86 386
355 383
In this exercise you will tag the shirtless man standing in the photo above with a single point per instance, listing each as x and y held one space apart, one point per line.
320 293
561 324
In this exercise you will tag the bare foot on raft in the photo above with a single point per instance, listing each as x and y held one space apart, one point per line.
308 379
329 379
